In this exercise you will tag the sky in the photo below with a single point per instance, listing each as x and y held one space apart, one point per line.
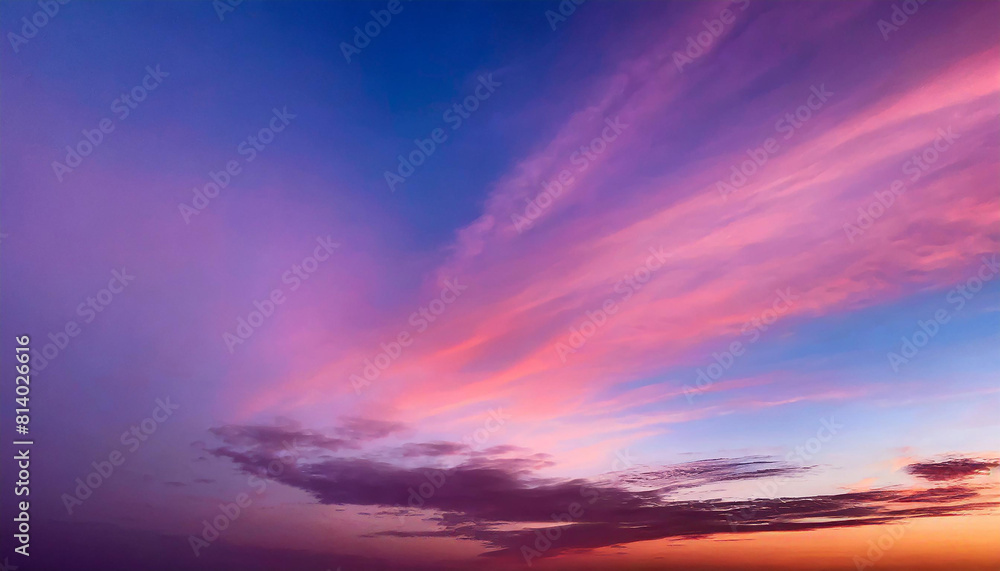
500 285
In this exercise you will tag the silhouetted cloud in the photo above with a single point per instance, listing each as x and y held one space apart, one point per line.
363 429
290 436
432 449
702 472
481 496
954 469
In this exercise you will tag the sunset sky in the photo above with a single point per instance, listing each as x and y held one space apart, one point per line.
503 285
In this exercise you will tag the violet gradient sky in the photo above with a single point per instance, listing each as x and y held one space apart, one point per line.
682 474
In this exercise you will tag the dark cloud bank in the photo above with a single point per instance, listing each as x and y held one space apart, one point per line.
476 493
